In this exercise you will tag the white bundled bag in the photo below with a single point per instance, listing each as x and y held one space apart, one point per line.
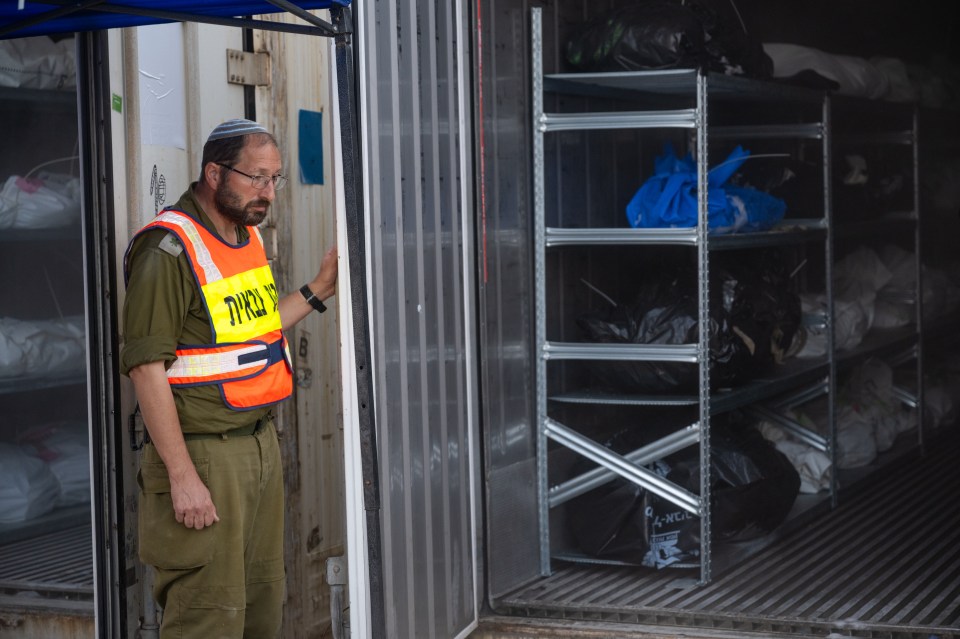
895 300
812 465
871 390
38 63
46 201
29 348
856 441
853 75
28 488
940 400
851 322
65 448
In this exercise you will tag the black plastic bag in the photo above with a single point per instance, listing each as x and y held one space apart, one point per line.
664 34
866 182
650 35
666 312
730 47
763 303
753 488
755 316
787 179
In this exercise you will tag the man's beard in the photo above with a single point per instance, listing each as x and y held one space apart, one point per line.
229 205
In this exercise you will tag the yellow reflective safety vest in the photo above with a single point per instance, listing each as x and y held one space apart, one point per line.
249 359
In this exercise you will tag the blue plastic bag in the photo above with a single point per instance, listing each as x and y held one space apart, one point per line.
668 199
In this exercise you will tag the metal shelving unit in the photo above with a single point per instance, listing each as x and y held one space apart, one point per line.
794 384
890 126
44 282
41 382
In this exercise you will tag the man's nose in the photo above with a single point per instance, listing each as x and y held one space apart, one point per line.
269 191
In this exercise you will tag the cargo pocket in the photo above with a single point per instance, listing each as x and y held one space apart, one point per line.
164 542
231 598
265 571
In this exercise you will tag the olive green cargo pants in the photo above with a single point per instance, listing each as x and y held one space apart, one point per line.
227 580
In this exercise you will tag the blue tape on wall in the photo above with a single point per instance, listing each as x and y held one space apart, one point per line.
311 147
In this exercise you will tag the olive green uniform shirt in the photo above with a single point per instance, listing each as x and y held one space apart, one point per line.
164 309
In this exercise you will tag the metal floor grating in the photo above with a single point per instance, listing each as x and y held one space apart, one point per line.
57 564
884 563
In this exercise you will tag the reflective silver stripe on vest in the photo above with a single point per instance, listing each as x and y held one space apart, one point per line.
217 363
204 259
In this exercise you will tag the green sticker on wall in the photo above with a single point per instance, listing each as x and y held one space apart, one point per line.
117 103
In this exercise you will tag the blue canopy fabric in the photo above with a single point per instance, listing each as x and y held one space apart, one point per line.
19 18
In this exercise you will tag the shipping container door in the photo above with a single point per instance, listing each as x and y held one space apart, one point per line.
415 141
55 444
293 103
174 84
159 113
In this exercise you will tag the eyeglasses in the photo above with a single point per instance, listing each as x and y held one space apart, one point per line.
259 182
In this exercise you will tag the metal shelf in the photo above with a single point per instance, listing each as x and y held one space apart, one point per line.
882 343
789 376
943 328
57 234
786 377
903 138
39 98
41 382
676 82
599 121
621 352
57 519
810 131
601 397
608 236
892 223
793 231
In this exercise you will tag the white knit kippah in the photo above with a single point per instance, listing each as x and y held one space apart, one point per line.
235 127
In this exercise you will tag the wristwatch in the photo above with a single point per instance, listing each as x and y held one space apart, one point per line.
312 299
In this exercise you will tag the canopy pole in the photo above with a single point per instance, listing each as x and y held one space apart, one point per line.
49 15
316 25
304 15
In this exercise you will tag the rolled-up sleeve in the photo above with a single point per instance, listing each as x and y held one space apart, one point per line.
157 301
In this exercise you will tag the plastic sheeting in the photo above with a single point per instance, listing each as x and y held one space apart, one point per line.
876 78
753 488
663 34
668 198
754 319
812 465
869 417
65 448
28 488
47 201
873 290
38 63
39 347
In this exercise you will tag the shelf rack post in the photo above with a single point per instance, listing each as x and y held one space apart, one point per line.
703 343
536 68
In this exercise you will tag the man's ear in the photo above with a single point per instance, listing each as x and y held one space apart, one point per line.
211 173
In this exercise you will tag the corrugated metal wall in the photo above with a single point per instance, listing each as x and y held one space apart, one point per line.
416 141
507 299
507 313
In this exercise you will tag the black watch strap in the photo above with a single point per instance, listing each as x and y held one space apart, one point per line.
312 299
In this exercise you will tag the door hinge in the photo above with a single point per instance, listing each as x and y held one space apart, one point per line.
337 580
248 68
